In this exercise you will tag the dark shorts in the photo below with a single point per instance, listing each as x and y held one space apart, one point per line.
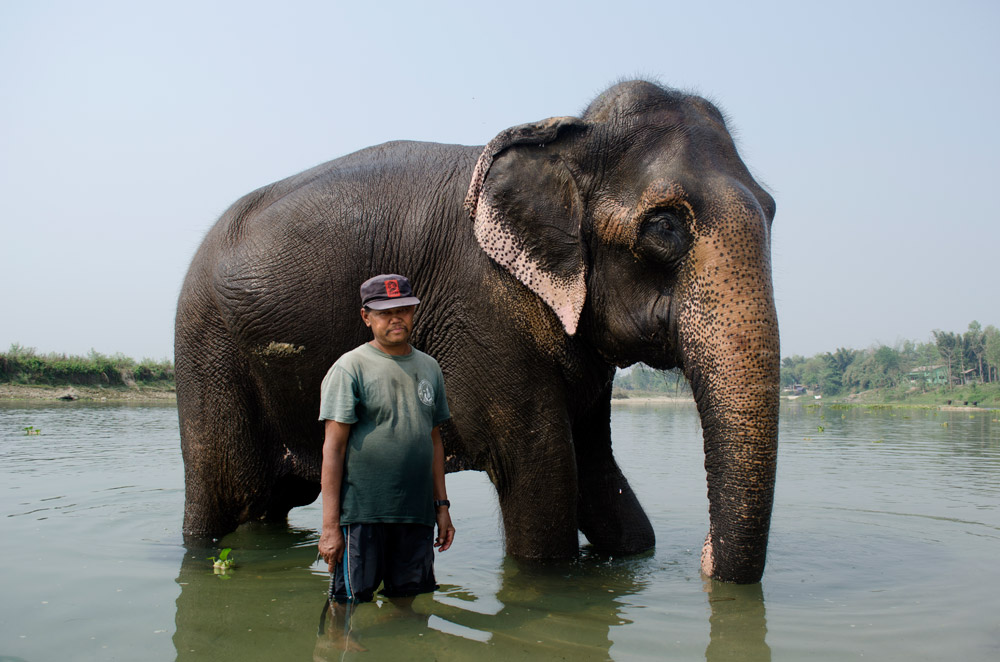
400 556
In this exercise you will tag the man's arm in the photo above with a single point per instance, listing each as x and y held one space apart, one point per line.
446 532
331 541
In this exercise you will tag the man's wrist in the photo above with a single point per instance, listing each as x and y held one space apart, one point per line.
438 503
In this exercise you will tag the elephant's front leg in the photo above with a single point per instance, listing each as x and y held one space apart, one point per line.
609 511
537 489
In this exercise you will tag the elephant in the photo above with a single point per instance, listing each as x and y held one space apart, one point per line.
562 250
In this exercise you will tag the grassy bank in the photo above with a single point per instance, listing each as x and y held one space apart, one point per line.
28 375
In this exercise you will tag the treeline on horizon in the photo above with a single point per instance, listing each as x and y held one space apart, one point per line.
946 361
23 365
640 379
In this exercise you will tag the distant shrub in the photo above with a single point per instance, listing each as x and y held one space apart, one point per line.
22 365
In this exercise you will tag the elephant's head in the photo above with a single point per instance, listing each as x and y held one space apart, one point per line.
642 230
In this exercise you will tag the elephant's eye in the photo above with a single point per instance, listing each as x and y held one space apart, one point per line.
665 236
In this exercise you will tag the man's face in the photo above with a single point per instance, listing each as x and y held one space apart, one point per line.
391 327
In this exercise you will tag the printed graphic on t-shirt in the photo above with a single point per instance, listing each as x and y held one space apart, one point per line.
425 392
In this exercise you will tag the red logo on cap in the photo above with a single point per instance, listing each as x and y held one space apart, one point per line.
392 288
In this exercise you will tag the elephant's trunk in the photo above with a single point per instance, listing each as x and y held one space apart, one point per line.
729 340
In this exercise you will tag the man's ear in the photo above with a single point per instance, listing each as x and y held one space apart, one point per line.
527 212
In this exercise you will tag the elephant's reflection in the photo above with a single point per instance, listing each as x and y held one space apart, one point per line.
266 608
550 611
270 606
738 624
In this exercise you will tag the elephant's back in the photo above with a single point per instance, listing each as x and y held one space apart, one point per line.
283 264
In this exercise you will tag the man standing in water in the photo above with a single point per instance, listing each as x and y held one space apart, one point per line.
383 479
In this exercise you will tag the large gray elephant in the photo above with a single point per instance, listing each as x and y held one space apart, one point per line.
561 250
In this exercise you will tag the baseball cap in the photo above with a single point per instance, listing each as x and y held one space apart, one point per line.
387 291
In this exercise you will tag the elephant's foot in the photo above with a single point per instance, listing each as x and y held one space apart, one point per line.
540 524
203 527
612 519
543 539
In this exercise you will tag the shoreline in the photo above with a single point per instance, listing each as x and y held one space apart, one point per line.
40 393
164 395
653 400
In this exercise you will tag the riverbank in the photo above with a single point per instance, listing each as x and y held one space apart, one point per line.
88 393
652 400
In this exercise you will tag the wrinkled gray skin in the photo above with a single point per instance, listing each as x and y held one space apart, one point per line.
563 249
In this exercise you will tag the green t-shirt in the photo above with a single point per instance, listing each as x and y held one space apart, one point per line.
392 403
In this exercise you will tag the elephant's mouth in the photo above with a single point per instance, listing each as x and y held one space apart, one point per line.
649 336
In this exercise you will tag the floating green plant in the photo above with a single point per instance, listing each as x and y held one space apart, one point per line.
31 429
821 428
223 564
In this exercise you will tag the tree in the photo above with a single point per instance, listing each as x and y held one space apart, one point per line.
991 353
886 361
948 345
791 370
975 347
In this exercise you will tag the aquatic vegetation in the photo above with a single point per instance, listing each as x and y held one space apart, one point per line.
31 429
821 428
223 564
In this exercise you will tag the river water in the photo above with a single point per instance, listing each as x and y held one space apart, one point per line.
884 545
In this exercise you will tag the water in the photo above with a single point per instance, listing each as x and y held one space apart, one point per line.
883 545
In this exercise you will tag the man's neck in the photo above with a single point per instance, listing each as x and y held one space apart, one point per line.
396 350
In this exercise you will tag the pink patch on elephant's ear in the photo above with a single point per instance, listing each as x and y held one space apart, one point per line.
564 295
563 290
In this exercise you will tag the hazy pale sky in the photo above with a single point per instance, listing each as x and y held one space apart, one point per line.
127 128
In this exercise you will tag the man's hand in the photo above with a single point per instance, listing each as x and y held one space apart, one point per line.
331 546
446 531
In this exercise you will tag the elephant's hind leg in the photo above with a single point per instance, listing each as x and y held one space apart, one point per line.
226 475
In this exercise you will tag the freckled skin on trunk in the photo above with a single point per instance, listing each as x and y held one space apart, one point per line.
729 336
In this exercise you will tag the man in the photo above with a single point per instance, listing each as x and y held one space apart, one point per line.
383 480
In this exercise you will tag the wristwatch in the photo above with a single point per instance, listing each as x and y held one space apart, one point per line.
442 502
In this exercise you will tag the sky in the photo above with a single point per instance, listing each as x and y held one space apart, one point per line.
127 128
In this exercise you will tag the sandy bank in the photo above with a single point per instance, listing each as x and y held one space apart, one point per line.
87 393
653 400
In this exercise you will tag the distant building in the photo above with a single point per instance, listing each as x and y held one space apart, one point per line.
929 374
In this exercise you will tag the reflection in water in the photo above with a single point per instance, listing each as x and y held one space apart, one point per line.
266 608
738 623
271 603
553 609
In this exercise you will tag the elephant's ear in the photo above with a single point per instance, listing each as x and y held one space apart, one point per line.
527 212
